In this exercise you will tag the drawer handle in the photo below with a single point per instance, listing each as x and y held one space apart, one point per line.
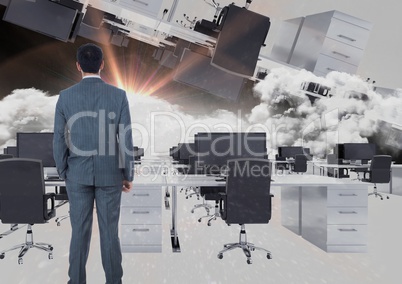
140 194
140 230
330 69
346 37
347 212
141 2
347 230
140 212
340 54
347 194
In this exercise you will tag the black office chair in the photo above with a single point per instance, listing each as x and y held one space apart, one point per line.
300 164
6 156
211 193
281 165
247 200
379 172
24 201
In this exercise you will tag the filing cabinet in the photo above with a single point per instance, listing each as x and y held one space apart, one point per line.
335 218
146 7
141 220
323 42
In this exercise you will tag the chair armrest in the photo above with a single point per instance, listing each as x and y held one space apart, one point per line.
364 175
46 213
222 203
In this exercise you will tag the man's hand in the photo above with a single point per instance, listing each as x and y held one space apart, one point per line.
127 186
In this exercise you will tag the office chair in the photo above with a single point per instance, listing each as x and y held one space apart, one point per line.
281 166
300 164
379 172
24 201
6 156
211 193
247 200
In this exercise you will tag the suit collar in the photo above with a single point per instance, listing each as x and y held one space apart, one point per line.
91 80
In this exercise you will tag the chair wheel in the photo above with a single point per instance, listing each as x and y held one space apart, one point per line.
209 223
199 220
50 247
50 256
20 261
2 256
269 256
249 261
220 255
192 210
387 197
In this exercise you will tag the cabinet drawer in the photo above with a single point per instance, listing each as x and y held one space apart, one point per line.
326 64
147 7
347 197
348 33
347 215
141 215
341 51
141 235
347 234
142 197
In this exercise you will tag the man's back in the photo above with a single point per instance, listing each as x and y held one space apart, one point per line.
96 114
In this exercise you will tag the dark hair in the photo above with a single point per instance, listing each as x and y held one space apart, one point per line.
90 57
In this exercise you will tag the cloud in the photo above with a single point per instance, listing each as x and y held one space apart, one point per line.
285 113
157 125
351 114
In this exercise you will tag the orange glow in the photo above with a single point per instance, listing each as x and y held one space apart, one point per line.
132 75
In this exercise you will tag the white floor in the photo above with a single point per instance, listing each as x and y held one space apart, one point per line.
294 259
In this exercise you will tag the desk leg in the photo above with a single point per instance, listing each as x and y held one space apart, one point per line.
173 231
167 195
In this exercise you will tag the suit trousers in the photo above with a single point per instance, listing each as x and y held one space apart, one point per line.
81 200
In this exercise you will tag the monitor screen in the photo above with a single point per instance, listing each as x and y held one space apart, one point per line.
43 16
195 70
36 145
358 151
290 151
12 150
215 149
186 150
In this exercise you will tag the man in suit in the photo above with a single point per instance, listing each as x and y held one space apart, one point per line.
93 150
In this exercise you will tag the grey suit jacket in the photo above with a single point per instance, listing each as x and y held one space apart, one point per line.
92 134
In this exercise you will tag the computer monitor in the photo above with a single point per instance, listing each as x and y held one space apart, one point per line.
290 151
185 151
12 150
195 70
359 151
36 145
215 149
46 17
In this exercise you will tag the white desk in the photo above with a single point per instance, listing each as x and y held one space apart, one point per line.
322 166
185 180
328 212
